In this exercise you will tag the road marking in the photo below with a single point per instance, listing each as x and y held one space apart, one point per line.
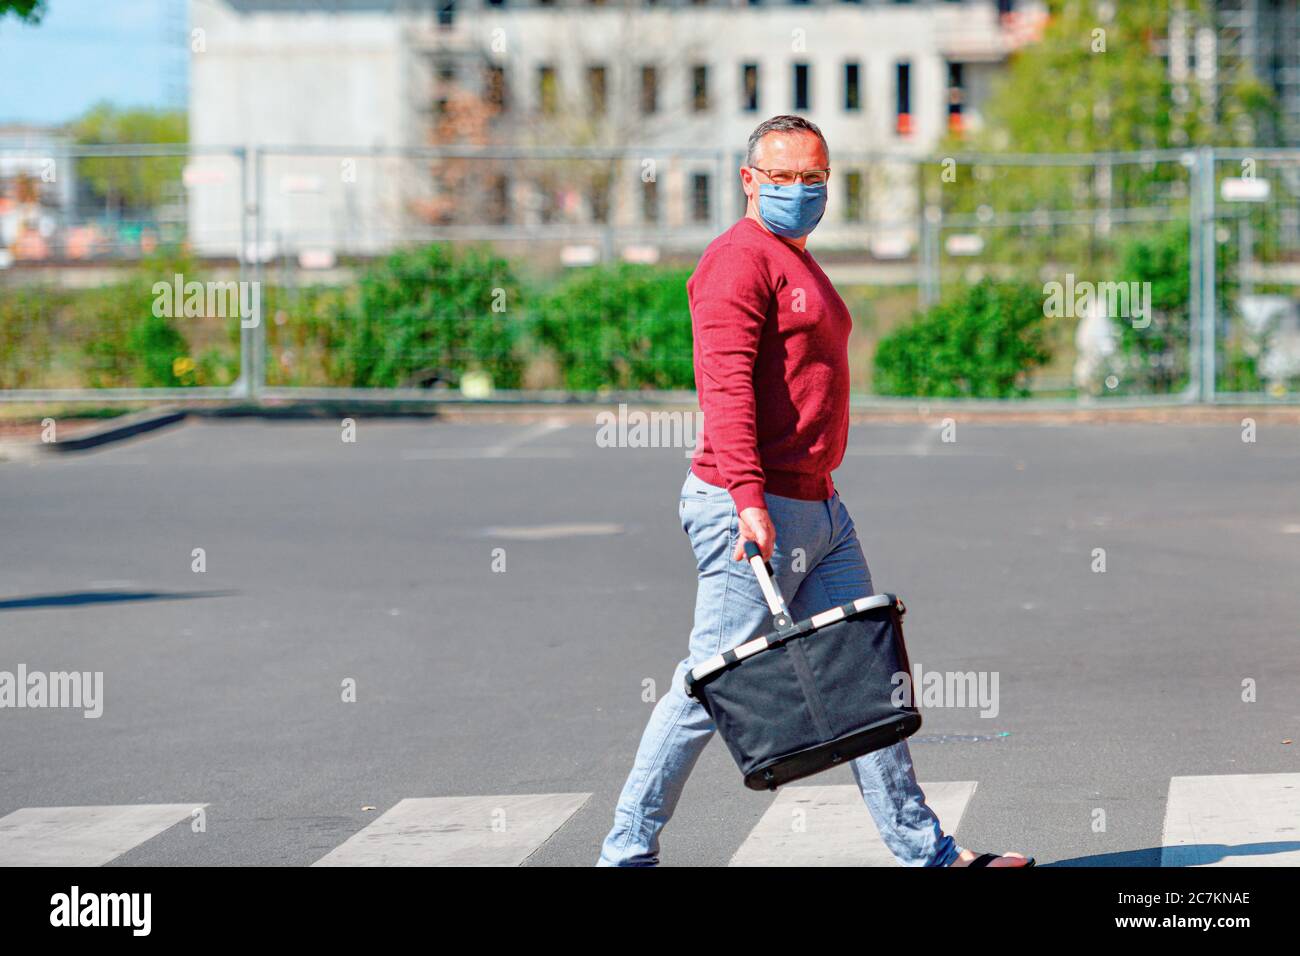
921 444
1250 819
508 448
83 836
547 532
465 454
830 826
458 831
528 434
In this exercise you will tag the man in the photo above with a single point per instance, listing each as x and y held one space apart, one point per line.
772 373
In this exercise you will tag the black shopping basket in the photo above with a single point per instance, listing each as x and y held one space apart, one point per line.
813 694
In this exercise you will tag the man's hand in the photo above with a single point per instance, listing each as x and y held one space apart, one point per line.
755 526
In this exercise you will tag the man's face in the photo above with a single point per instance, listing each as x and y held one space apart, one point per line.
795 151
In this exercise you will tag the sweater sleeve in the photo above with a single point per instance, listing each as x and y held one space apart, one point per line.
730 294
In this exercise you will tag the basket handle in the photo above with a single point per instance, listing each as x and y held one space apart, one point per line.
763 571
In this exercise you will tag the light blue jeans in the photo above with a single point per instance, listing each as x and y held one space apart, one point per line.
817 559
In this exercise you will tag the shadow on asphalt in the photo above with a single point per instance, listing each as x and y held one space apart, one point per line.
74 598
1207 852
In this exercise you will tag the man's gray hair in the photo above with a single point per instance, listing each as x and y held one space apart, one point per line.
782 124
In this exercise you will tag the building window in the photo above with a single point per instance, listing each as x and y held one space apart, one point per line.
649 90
496 3
853 196
903 98
596 89
852 87
548 90
445 74
749 87
956 96
700 205
699 88
801 71
494 87
599 200
650 201
446 13
498 211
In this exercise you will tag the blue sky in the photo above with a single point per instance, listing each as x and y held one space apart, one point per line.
131 52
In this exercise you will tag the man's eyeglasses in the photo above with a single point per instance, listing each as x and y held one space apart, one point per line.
788 177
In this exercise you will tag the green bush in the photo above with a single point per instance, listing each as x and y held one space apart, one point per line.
621 327
304 335
121 343
1157 355
26 336
161 357
432 310
982 343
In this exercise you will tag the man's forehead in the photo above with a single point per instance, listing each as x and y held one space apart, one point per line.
796 143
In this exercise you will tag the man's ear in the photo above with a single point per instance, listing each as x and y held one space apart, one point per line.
747 180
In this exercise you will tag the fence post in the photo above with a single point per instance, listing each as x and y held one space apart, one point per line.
1192 162
1209 258
720 198
242 383
931 228
741 202
257 357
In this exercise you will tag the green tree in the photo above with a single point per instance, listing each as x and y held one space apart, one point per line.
29 10
1097 82
131 182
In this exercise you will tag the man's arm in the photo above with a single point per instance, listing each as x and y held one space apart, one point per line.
730 296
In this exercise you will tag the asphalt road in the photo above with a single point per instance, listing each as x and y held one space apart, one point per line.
374 561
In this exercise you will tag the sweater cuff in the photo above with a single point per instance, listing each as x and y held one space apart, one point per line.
748 495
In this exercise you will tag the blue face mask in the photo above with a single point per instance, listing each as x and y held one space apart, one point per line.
791 211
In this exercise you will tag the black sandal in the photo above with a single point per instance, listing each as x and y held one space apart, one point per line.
984 859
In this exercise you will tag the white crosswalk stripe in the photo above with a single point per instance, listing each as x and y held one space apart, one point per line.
458 831
1233 820
83 836
1223 820
830 826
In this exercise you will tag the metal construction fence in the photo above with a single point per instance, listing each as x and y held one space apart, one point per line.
139 272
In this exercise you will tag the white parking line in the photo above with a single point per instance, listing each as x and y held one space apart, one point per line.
549 532
539 430
458 831
511 447
83 836
1250 819
830 826
462 454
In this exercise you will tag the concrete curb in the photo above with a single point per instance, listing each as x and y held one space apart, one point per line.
129 426
119 430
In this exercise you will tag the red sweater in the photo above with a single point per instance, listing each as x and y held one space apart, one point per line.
771 368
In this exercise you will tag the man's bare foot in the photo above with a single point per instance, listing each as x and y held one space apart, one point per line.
966 857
